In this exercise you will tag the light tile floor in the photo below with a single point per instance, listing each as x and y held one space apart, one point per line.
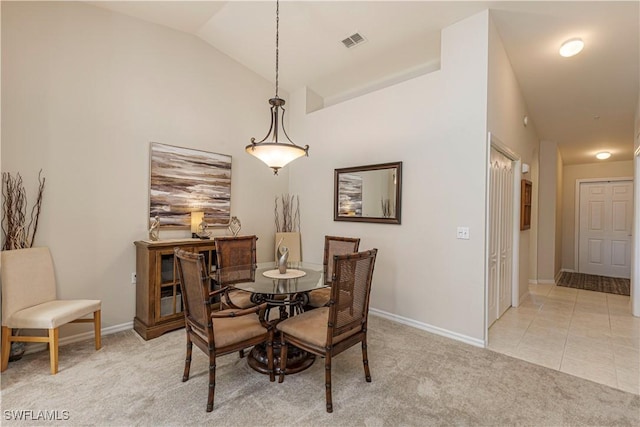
588 334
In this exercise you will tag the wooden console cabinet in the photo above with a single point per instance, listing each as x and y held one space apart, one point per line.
158 294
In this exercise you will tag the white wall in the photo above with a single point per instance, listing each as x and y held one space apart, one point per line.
635 262
84 91
571 174
560 207
436 125
547 205
506 111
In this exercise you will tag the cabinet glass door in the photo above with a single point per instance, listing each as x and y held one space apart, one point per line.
170 296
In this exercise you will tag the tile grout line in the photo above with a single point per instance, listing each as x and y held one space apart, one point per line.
566 339
615 364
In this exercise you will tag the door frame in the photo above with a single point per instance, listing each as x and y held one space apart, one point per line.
635 240
494 142
576 221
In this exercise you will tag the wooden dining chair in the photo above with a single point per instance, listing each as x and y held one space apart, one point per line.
221 332
29 301
235 252
332 246
328 331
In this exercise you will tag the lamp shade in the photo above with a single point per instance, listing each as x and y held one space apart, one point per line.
196 219
276 155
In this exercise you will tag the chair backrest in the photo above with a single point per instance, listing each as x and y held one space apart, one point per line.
290 239
28 279
350 290
194 283
234 251
337 246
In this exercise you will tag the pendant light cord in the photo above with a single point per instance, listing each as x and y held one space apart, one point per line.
277 41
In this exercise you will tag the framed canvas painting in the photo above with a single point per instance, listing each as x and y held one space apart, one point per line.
185 180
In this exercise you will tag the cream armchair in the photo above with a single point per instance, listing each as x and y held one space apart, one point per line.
29 302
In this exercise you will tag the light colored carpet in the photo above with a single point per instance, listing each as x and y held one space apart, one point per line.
418 379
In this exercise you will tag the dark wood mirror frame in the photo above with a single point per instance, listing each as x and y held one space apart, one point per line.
394 209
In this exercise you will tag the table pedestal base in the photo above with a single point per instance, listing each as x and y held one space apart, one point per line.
297 360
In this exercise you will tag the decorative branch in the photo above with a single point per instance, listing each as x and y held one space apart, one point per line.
290 214
296 215
17 234
36 208
277 217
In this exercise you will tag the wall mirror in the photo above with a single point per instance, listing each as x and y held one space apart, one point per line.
368 193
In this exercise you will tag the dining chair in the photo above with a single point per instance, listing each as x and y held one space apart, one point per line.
29 301
290 239
221 332
235 252
332 246
328 331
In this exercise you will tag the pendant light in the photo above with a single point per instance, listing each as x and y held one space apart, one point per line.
276 154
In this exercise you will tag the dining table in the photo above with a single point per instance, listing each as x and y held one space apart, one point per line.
288 292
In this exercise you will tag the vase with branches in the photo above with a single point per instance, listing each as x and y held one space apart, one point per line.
17 233
289 218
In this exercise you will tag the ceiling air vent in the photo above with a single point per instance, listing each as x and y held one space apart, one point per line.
353 39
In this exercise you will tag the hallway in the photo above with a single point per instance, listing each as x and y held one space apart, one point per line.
583 333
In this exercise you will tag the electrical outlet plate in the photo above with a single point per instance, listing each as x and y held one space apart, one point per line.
462 233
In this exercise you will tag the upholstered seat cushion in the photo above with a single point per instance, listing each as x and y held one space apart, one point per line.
52 314
241 299
311 327
319 297
231 330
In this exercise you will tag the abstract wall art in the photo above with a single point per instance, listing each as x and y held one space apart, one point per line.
185 180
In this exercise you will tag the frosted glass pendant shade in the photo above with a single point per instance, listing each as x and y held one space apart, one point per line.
276 155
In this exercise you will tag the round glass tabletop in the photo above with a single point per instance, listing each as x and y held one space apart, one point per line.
252 279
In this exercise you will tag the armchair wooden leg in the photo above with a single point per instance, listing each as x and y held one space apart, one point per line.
212 381
187 360
283 357
327 379
272 375
6 347
53 350
97 329
365 361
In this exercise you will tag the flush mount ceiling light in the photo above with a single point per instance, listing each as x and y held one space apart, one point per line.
270 150
571 47
603 155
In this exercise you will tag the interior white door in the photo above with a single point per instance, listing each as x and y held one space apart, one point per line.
605 220
500 234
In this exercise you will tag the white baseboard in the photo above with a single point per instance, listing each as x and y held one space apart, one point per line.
567 270
522 298
533 281
429 328
546 282
36 347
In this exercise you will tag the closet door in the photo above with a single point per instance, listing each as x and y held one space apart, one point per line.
500 234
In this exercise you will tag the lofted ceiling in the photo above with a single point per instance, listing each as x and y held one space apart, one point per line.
585 104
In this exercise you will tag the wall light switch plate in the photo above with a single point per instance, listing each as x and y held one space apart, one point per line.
133 278
462 233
